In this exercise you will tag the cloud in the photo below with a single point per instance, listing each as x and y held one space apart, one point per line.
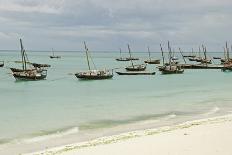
114 23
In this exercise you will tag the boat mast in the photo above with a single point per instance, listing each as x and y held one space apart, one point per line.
170 51
87 55
199 51
182 55
120 52
148 49
162 53
23 55
130 55
227 51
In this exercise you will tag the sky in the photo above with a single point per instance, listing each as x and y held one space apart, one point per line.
107 25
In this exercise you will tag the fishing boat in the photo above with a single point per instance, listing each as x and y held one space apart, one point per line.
93 74
53 56
205 60
151 61
169 68
141 67
122 58
1 63
27 74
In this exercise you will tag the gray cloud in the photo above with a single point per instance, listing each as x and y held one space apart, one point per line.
108 24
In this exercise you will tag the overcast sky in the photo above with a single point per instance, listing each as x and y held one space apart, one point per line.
111 24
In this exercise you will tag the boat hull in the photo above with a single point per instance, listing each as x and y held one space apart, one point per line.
152 61
26 77
55 57
136 73
93 77
136 68
122 59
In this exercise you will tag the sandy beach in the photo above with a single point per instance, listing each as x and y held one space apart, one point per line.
206 136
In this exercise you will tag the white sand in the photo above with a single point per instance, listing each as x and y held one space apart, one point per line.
202 137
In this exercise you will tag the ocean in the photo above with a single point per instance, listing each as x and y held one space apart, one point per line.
62 109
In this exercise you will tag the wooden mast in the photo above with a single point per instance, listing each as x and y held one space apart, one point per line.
227 52
148 49
23 55
162 53
130 55
169 53
87 56
182 55
120 52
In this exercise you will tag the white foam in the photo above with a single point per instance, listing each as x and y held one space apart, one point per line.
50 136
212 111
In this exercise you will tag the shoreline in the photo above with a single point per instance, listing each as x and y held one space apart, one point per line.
132 135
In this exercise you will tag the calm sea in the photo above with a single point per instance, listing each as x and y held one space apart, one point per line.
64 109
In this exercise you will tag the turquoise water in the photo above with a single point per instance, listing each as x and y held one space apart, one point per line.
64 105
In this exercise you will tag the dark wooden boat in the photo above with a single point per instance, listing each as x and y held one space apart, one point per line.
141 67
93 74
30 75
136 73
53 56
171 70
1 63
171 67
216 57
121 58
133 67
151 61
26 74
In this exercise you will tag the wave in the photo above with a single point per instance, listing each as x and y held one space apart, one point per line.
212 111
52 135
136 119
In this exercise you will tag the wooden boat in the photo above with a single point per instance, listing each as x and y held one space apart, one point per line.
25 73
170 68
30 75
121 58
141 67
216 57
93 74
135 73
151 61
133 67
53 56
1 63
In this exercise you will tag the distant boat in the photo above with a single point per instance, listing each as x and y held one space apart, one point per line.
122 58
171 67
151 61
133 67
53 56
1 63
25 73
216 57
93 74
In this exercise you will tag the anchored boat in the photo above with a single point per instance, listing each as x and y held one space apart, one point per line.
93 74
25 73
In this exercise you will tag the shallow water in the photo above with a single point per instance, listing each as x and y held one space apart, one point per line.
63 105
